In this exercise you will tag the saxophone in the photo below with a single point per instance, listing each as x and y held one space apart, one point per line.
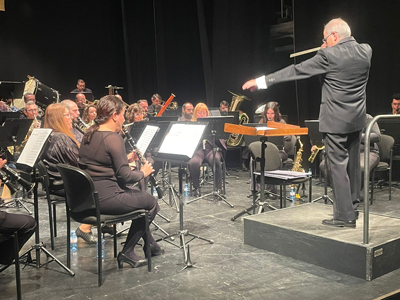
298 160
314 153
237 139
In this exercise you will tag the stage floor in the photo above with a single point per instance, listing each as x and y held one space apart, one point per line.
227 269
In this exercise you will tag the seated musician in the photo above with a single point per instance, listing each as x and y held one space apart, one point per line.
145 106
89 114
205 153
62 148
155 107
102 155
9 223
187 112
73 109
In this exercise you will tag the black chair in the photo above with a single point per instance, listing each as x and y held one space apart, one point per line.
14 236
52 197
385 164
82 205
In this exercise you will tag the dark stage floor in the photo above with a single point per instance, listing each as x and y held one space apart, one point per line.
227 269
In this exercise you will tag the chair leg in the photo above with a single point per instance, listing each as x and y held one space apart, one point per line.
99 259
147 232
115 240
17 267
51 226
68 241
55 219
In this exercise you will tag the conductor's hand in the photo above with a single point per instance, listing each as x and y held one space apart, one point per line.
147 169
132 156
251 84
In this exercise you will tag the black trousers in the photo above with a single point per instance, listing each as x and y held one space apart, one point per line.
343 160
196 161
9 223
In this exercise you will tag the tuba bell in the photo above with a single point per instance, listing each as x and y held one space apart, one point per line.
237 139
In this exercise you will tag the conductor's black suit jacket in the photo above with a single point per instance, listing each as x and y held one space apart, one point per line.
344 70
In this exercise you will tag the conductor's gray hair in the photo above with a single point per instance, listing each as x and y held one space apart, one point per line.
339 26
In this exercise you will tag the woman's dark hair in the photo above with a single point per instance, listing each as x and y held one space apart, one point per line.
132 110
275 107
105 108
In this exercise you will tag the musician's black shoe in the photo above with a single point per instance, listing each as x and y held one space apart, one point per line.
196 193
339 223
87 236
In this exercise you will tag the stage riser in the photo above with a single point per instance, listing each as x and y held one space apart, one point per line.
359 260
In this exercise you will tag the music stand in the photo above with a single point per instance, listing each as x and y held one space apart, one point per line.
191 133
12 133
215 130
317 139
4 115
29 156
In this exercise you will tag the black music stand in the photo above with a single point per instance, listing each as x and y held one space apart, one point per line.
317 139
12 133
8 115
215 130
176 132
39 246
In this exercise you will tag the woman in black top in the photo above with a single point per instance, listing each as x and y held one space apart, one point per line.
102 155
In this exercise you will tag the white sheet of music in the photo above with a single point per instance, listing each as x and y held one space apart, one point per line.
182 139
34 146
147 136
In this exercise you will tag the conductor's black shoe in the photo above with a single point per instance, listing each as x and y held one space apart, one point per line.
357 214
339 223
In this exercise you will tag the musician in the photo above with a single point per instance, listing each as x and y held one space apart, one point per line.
155 107
224 108
134 113
272 113
81 87
89 114
29 97
9 223
31 112
80 100
4 107
62 148
187 112
102 155
396 104
343 65
74 111
144 104
205 153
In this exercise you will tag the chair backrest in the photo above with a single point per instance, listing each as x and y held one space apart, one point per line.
385 146
272 158
79 189
290 147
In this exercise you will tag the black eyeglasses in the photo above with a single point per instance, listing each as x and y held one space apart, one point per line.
324 39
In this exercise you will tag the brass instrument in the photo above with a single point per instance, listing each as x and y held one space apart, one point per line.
237 139
298 160
314 153
80 125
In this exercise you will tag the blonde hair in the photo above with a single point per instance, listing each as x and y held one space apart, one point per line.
54 119
200 107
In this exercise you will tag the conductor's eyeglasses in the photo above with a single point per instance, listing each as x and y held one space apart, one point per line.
324 39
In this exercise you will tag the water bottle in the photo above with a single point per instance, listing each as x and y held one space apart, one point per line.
73 241
310 172
102 248
185 193
155 194
292 196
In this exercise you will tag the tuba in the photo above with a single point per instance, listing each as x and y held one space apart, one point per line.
237 139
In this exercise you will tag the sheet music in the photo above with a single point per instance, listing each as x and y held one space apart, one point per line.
265 128
284 174
147 136
182 139
34 146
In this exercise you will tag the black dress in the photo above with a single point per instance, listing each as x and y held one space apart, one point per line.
105 160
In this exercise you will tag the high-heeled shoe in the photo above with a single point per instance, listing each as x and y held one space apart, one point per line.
154 251
121 258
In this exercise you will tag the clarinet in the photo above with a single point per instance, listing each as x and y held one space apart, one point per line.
152 179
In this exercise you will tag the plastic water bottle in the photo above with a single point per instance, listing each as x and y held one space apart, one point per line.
310 172
185 193
73 241
102 248
292 196
155 194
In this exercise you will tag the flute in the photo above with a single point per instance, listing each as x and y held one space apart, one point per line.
143 161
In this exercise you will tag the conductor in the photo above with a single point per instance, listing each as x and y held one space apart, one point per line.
343 65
